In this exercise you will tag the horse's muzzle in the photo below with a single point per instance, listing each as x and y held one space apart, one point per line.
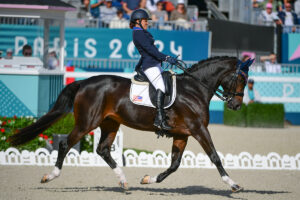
234 104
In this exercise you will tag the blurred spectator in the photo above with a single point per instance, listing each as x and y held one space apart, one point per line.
94 8
84 9
179 12
107 13
271 64
169 7
151 5
297 9
131 5
160 14
268 17
276 5
245 58
142 5
117 4
250 94
288 1
119 21
86 4
52 60
9 54
256 3
288 16
27 50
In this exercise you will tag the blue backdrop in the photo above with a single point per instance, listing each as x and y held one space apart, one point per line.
290 48
105 43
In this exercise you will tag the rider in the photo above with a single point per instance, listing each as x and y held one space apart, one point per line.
150 61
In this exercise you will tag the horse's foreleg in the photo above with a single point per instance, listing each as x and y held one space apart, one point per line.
109 130
206 142
178 147
64 147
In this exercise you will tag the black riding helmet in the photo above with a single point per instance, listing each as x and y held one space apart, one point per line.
139 14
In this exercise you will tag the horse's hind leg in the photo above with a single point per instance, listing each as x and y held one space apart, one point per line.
64 147
178 147
206 142
109 130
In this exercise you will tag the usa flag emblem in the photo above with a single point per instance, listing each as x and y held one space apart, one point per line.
137 98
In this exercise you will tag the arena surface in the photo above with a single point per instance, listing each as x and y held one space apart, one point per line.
22 182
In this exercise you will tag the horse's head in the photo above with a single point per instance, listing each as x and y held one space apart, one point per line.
229 72
234 84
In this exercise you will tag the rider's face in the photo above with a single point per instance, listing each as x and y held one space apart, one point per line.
144 23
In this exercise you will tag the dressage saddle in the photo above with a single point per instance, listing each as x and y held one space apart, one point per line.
168 81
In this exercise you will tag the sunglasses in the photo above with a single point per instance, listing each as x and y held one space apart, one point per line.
27 53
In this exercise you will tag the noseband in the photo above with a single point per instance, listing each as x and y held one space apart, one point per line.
223 95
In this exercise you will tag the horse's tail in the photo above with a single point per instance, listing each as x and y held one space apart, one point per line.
62 106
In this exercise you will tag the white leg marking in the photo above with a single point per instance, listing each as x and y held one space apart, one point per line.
118 171
228 180
55 173
153 179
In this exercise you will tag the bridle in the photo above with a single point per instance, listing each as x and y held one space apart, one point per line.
221 94
227 96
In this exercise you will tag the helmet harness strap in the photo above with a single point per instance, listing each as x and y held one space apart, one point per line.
140 23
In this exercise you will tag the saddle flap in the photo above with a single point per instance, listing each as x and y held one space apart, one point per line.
140 76
143 93
168 81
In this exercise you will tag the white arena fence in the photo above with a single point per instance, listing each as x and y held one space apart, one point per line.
157 159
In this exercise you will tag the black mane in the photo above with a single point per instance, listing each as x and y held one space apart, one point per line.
205 70
203 63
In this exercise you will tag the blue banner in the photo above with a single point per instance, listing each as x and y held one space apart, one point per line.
291 48
105 43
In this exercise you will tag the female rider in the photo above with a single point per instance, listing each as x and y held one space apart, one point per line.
150 61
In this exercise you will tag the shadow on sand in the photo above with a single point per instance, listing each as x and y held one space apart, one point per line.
190 190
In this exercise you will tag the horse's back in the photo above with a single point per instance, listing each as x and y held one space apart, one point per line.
105 79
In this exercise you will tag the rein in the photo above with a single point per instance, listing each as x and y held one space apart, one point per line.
224 96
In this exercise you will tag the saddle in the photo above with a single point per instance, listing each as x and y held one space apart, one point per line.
140 80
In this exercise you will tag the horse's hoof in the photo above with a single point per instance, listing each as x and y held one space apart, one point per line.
145 179
236 188
45 179
124 185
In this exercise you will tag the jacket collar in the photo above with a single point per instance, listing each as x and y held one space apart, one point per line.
137 28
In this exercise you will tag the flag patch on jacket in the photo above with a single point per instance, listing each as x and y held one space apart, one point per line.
137 98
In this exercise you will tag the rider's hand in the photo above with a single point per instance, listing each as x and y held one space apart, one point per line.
171 60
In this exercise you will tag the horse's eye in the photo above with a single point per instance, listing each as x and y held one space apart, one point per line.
241 80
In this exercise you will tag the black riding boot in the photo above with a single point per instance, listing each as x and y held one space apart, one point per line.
160 119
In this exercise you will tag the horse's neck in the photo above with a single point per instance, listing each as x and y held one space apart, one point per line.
211 79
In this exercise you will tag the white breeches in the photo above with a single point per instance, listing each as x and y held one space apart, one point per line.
155 77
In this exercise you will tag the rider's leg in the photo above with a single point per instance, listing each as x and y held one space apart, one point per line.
155 77
160 119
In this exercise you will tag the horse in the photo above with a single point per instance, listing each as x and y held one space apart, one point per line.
103 101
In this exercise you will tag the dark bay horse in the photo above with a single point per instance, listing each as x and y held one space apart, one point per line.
103 101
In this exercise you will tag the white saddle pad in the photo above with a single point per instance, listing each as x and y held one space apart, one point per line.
139 93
